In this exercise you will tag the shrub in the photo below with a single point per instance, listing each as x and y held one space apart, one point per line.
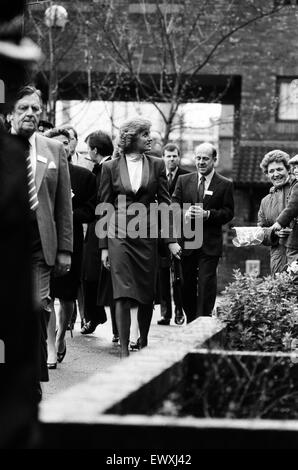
260 314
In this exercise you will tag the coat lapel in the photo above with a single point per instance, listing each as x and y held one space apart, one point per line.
192 188
145 174
41 162
212 187
124 176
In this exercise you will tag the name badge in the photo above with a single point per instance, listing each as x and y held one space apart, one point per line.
41 159
208 193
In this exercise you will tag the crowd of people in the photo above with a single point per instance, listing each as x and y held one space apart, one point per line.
70 232
88 269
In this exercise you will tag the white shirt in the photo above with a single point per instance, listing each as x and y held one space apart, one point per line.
135 168
208 179
32 151
32 154
103 160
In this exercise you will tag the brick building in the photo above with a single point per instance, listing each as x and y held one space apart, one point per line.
256 68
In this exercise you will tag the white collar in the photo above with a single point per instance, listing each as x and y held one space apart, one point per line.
103 160
32 139
208 177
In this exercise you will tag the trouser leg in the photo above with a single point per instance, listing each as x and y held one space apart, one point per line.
207 283
189 287
165 289
41 294
144 319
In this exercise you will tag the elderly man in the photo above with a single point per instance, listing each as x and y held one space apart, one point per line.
50 204
214 193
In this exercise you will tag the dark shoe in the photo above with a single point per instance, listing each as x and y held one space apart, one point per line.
115 339
163 321
88 328
83 322
61 356
134 345
52 365
179 317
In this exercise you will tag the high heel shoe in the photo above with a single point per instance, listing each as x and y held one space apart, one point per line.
52 365
60 356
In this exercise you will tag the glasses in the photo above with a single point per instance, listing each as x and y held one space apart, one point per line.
24 108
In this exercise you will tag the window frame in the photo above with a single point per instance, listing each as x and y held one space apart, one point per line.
279 81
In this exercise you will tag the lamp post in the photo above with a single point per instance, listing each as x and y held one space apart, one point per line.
55 16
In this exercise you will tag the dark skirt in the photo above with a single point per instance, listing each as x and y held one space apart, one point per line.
66 287
134 265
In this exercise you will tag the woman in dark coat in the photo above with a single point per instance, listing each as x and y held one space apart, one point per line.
65 288
276 167
132 178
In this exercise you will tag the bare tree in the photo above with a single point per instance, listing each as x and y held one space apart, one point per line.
176 41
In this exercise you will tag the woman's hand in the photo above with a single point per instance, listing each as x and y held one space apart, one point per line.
105 258
276 227
175 249
284 232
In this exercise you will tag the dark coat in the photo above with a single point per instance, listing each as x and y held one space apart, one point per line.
179 172
133 260
164 253
92 261
220 204
83 189
270 208
288 217
18 320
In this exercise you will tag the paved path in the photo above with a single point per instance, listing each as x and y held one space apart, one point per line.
90 354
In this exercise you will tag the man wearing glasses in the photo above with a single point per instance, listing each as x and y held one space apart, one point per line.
50 205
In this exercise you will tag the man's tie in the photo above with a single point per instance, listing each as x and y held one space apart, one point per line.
33 201
170 178
201 189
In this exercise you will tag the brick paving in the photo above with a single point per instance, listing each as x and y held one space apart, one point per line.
90 354
94 354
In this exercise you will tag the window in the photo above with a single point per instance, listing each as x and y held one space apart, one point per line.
287 99
278 3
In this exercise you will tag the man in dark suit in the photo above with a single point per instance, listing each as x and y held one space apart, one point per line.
50 203
171 157
100 149
214 193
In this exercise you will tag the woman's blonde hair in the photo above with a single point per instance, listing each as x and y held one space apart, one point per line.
128 134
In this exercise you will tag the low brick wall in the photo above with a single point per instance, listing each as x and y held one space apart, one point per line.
82 408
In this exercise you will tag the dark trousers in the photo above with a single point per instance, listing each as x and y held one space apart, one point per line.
165 289
165 292
200 284
93 312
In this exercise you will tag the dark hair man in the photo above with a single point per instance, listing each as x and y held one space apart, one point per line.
171 157
100 149
44 126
